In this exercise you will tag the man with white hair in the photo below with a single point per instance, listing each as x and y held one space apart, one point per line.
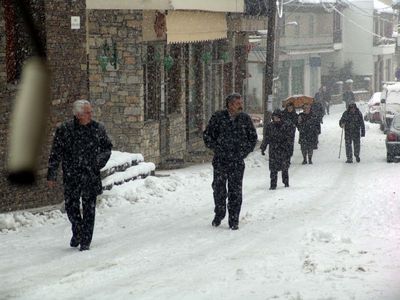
82 147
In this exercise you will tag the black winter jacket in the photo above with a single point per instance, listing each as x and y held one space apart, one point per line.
291 118
309 129
353 124
231 140
82 151
278 136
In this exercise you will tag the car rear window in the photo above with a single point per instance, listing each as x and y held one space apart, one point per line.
393 97
396 122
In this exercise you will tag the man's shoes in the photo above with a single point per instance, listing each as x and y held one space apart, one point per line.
75 241
349 161
234 227
310 162
216 222
272 188
286 184
304 162
357 159
84 248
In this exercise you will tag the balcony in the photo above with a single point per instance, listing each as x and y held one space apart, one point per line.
307 43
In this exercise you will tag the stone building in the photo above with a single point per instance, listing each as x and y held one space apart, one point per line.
66 56
154 72
168 67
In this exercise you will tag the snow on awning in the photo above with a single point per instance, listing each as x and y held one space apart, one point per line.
195 26
236 6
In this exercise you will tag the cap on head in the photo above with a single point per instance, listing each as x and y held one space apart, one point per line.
352 105
277 113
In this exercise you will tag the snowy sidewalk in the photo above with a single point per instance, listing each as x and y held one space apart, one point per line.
334 234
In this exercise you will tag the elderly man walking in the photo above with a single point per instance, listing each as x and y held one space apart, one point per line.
354 128
230 133
82 146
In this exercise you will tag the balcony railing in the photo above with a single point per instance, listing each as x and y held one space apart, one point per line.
307 41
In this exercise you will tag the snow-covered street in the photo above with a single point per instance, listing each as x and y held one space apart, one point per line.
333 234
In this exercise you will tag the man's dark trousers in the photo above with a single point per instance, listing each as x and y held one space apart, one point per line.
349 150
231 173
274 177
82 224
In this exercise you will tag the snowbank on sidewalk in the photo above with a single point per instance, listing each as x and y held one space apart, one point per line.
16 220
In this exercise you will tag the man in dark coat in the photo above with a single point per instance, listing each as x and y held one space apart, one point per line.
353 123
230 133
309 129
290 117
317 108
348 96
324 97
83 148
277 135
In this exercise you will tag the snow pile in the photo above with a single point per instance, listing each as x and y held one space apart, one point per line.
119 159
143 169
15 220
150 188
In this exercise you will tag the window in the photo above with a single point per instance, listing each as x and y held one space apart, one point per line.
311 25
297 77
151 82
388 69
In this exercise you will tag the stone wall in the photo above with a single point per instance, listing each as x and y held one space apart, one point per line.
67 61
117 89
151 142
177 136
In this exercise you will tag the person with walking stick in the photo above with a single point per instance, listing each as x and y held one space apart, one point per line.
353 124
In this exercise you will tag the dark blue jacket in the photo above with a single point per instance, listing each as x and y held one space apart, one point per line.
82 151
231 140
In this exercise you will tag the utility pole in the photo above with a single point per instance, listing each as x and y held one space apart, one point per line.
269 61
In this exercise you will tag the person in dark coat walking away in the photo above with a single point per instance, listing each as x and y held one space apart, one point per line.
317 108
324 97
82 147
231 135
348 96
309 129
353 123
278 136
290 117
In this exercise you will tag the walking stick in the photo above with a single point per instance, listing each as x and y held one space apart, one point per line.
341 139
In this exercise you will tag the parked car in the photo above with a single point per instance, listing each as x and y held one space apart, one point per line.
257 120
393 140
373 111
390 104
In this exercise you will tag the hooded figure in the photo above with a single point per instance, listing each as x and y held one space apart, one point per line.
277 135
290 117
353 123
309 129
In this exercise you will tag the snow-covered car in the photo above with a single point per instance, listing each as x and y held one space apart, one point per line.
373 111
390 105
257 120
393 140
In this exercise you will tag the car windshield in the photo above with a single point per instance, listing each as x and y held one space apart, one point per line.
396 122
393 97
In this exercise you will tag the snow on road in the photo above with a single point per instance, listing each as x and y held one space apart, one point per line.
334 234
